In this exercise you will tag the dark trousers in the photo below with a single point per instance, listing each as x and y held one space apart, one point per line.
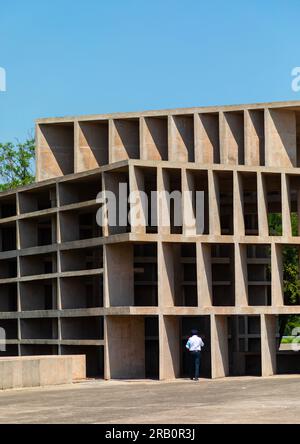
195 364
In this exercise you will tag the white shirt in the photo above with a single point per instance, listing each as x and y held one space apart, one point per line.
194 343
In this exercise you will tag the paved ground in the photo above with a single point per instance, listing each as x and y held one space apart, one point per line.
242 400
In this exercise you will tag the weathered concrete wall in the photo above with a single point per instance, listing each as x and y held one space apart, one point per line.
37 371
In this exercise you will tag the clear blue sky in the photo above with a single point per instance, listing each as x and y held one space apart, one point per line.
66 57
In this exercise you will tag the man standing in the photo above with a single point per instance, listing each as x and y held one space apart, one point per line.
194 345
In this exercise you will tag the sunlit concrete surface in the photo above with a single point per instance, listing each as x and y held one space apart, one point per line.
230 400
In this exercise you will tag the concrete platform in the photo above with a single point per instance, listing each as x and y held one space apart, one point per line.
35 371
231 400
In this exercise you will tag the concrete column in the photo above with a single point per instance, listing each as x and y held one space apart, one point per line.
286 206
138 208
124 347
238 205
118 275
241 275
19 307
59 298
54 224
111 157
77 166
219 346
18 235
268 344
163 211
214 204
188 211
19 332
277 275
263 225
105 225
169 347
204 277
146 153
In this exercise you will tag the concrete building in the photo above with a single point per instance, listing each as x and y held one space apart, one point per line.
128 296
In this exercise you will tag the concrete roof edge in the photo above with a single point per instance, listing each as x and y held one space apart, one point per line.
153 113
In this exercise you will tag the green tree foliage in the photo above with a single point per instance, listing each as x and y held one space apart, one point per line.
291 281
16 164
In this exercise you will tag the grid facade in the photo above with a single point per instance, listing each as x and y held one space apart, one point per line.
127 296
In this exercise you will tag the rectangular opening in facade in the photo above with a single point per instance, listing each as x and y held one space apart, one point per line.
179 274
125 142
8 268
93 145
274 203
56 150
38 231
81 292
10 327
225 192
202 324
94 358
8 206
244 345
233 138
208 138
38 350
82 328
37 199
222 269
291 274
151 347
38 295
39 328
117 188
79 224
125 339
183 147
8 236
155 138
173 185
119 261
197 183
39 264
259 274
250 208
255 138
282 128
8 297
145 275
83 189
293 183
82 259
144 184
297 113
288 344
